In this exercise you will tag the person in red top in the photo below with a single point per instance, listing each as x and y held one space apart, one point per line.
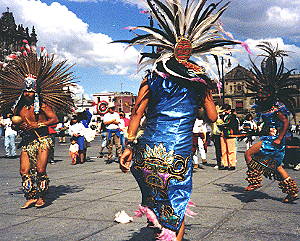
52 134
123 126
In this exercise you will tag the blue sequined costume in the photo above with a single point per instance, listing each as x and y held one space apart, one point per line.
271 155
162 163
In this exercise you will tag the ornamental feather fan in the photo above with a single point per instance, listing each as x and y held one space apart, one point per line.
51 82
271 77
184 32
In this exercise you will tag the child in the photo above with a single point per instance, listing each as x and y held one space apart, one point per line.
73 151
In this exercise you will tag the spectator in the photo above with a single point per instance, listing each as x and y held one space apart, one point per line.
199 140
74 151
112 120
249 127
52 135
85 118
9 137
228 141
293 128
292 152
1 127
216 137
103 139
124 123
62 128
298 129
76 131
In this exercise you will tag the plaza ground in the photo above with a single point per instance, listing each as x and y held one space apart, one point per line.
83 200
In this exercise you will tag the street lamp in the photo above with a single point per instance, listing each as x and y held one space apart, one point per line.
223 77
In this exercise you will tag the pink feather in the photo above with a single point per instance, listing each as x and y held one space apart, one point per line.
191 204
162 74
190 213
130 28
246 47
167 235
200 80
219 86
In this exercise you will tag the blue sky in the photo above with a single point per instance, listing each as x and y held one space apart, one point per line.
80 31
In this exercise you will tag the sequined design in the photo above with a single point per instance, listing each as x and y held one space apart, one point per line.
269 117
159 166
270 156
162 158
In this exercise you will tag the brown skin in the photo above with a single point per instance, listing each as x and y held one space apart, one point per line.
256 147
46 117
136 116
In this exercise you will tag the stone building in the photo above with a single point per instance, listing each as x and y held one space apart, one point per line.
124 101
12 36
239 97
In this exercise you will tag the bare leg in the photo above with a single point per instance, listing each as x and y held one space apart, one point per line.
81 156
282 172
252 150
41 166
180 234
24 171
24 163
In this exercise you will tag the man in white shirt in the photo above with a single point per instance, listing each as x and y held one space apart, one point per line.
77 130
199 138
10 136
112 121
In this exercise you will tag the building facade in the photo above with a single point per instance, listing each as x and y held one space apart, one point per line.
239 97
124 101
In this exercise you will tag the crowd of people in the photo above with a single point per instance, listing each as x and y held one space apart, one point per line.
172 124
227 132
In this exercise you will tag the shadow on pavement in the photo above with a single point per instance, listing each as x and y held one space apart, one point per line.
245 196
55 192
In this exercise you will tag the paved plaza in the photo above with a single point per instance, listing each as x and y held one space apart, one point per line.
83 199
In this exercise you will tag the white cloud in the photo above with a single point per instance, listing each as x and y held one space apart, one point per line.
63 33
291 62
264 19
283 15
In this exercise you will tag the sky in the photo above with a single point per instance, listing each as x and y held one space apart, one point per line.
81 31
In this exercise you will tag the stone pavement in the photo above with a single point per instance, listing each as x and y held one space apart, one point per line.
83 199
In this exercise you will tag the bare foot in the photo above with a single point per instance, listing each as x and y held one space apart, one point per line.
290 198
29 203
252 187
40 203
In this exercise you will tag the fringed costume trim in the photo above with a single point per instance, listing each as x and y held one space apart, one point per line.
288 186
265 167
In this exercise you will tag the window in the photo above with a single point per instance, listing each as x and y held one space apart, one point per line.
239 105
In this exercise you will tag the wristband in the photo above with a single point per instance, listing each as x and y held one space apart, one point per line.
130 145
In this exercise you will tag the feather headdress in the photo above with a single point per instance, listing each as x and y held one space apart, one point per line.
185 31
37 73
272 78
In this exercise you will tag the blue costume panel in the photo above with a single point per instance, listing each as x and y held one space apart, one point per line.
270 155
162 162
